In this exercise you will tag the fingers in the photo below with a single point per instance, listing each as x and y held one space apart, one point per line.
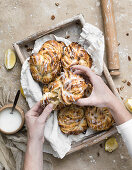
36 107
35 110
85 102
78 72
40 109
48 109
84 70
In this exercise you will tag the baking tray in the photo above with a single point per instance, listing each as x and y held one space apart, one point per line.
71 27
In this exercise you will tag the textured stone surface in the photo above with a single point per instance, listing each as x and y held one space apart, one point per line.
20 18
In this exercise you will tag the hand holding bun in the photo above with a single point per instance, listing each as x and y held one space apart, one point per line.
45 65
66 89
75 54
72 120
52 94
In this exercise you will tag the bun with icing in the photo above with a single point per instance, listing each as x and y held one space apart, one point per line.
66 89
45 65
75 54
99 118
72 120
57 47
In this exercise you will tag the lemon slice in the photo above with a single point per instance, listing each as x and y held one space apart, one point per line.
22 92
10 59
111 144
128 104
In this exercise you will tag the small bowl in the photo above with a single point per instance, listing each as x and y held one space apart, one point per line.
22 116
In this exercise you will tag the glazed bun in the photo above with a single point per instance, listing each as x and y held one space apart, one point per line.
75 54
72 120
45 65
99 118
66 89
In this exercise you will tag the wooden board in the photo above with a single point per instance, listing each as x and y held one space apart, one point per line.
73 28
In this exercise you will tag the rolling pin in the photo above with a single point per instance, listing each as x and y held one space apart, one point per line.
110 37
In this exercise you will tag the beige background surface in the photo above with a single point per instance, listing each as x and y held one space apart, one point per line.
20 18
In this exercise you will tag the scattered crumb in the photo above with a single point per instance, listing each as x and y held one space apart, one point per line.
124 81
129 58
101 145
118 43
128 83
114 161
26 46
127 34
52 17
29 49
121 88
57 4
118 90
98 154
121 156
67 36
92 160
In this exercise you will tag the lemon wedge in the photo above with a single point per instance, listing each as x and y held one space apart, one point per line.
10 59
22 92
111 144
128 104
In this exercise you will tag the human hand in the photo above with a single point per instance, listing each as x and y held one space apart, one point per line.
35 121
101 95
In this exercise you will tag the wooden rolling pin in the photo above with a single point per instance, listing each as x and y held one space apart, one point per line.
110 37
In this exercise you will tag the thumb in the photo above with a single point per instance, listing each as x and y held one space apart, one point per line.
85 101
48 109
86 70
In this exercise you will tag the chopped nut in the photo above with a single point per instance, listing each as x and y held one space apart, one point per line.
26 46
118 90
101 145
128 83
121 88
129 58
98 154
67 36
52 17
127 34
118 43
57 4
124 81
122 98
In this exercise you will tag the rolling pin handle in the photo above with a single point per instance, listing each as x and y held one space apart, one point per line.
114 72
110 37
